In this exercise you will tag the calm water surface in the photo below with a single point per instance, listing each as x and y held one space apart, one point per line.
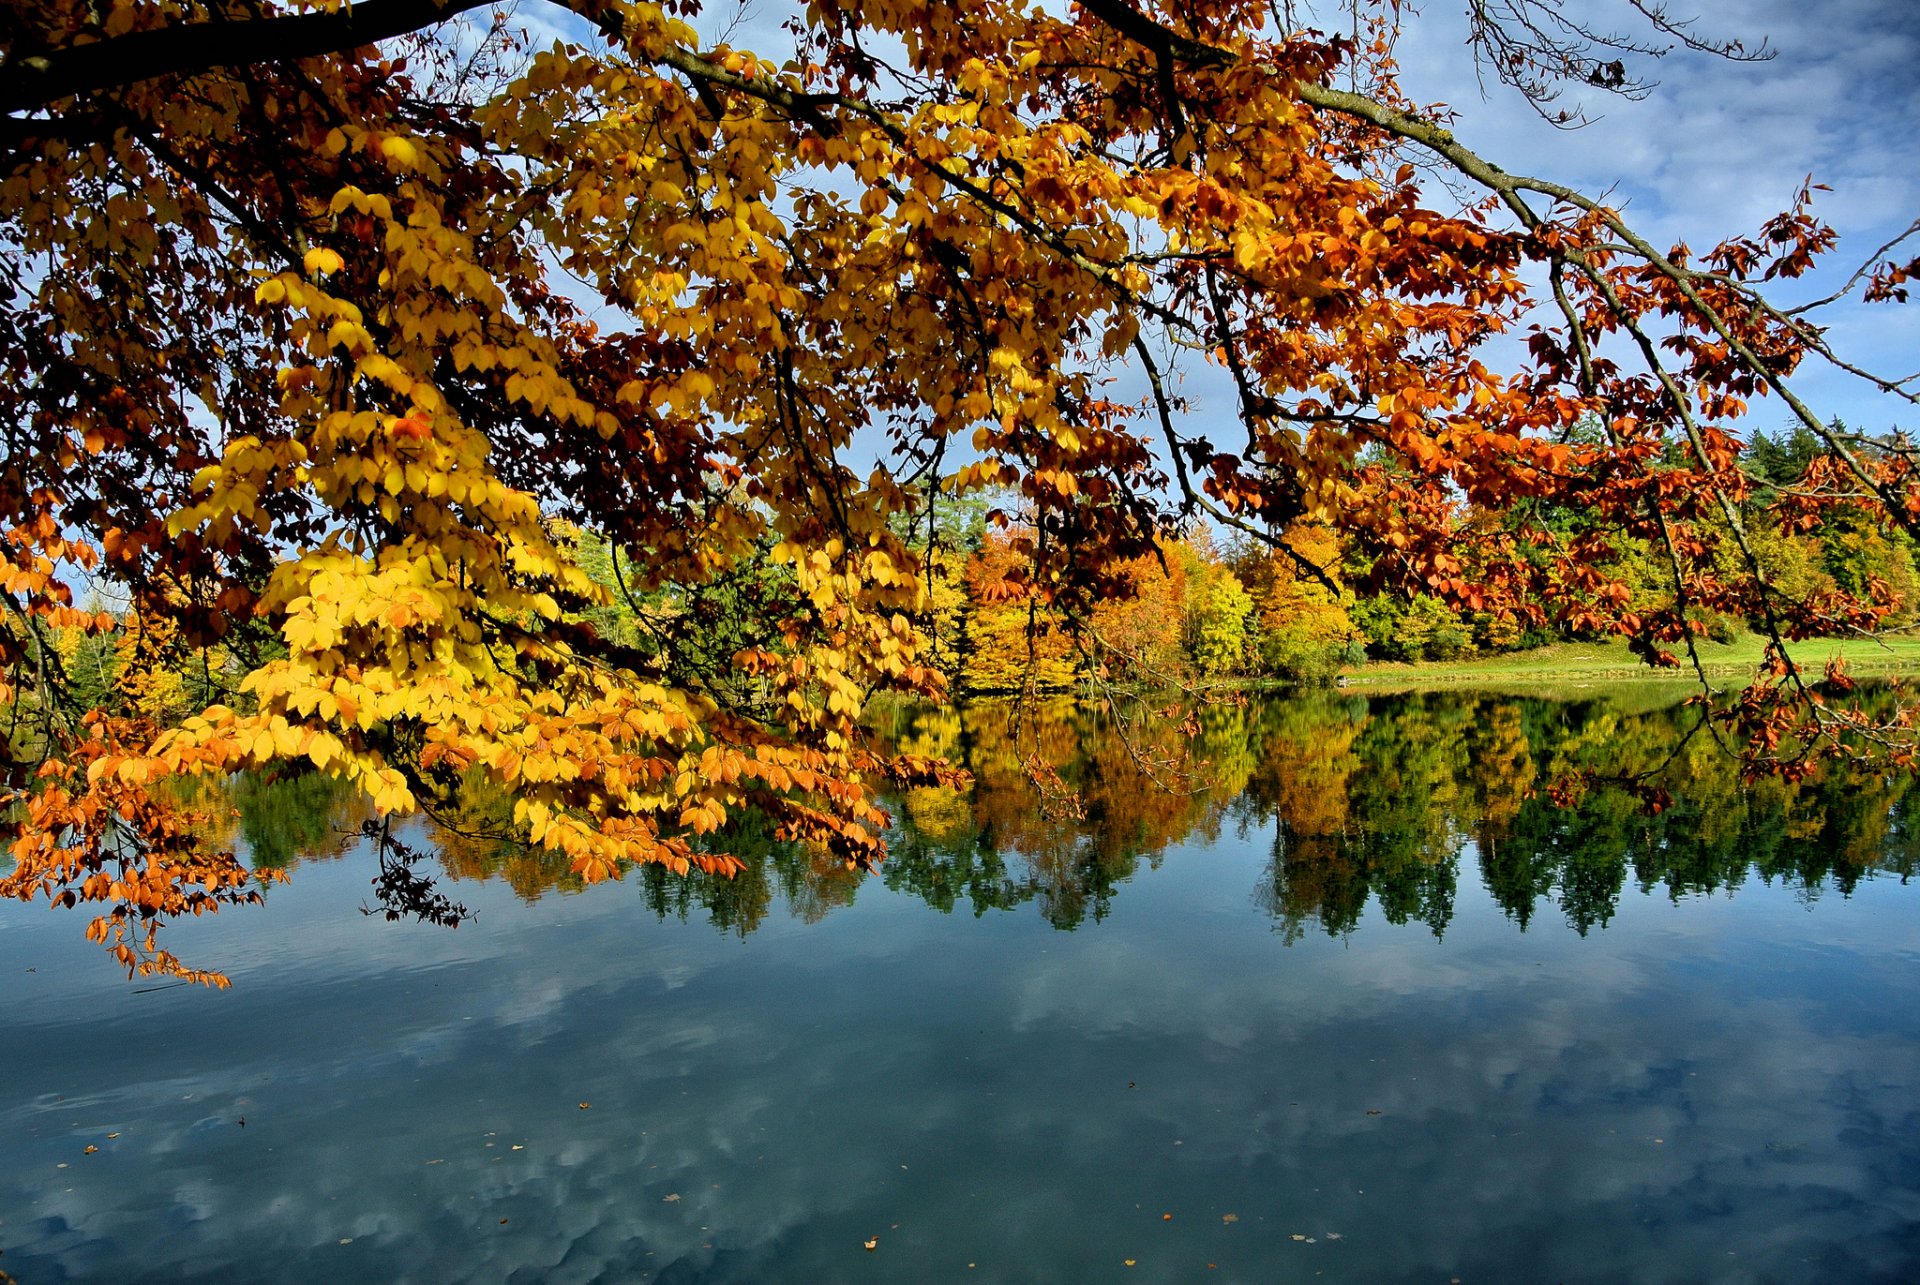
1366 1009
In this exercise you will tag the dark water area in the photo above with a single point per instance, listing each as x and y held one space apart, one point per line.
1317 989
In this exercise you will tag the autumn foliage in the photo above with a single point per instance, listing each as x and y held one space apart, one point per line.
315 350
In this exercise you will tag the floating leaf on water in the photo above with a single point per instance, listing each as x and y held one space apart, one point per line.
872 1243
1229 1218
91 1149
586 1106
1299 1235
670 1197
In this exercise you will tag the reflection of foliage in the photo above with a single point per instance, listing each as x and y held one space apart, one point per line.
1383 810
1374 815
1139 789
400 890
475 839
287 818
812 885
1369 801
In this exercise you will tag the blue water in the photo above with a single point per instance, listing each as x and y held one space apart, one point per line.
1710 1088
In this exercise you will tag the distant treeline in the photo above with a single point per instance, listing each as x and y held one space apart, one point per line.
1201 609
1208 609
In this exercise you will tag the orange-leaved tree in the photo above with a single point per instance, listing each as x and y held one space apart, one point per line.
319 319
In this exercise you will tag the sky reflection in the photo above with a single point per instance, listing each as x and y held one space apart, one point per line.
1709 1088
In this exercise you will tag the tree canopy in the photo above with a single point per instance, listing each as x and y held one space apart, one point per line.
329 328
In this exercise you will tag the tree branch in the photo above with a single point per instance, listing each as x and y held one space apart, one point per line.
34 82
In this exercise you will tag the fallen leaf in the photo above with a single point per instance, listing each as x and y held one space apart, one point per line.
1229 1218
1299 1235
112 1136
1166 1218
503 1222
1375 1111
1129 1262
586 1106
90 1150
518 1147
872 1243
670 1197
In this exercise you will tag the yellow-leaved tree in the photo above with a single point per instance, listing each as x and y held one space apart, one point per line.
318 318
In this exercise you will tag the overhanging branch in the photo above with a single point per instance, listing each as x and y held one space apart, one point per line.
35 81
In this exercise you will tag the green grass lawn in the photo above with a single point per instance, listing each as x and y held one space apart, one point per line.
1610 661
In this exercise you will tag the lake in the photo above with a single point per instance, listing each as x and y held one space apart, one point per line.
1314 989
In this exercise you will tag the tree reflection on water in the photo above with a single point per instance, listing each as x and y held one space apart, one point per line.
1359 798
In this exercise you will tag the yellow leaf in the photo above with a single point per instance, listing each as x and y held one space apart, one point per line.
400 152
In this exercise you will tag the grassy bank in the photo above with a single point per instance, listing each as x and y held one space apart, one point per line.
1581 663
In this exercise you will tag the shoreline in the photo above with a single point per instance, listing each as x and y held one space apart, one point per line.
1610 662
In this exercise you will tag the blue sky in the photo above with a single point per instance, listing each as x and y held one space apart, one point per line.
1719 146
